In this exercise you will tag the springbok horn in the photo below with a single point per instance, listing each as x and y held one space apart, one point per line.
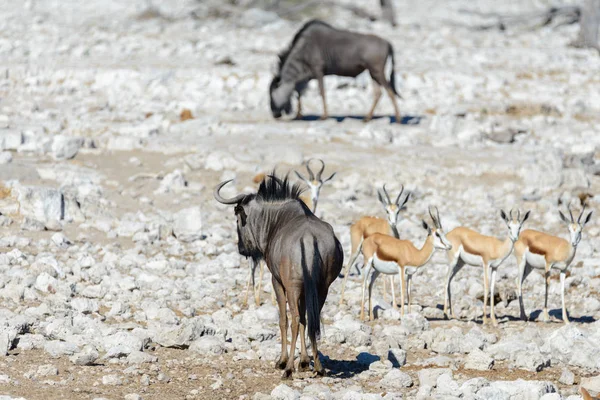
387 196
518 214
399 194
570 213
439 220
222 200
581 215
321 170
432 217
311 175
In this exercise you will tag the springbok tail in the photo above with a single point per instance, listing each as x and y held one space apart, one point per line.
311 293
354 256
389 66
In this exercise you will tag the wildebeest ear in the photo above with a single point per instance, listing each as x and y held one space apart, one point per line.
503 215
565 219
526 216
587 219
426 227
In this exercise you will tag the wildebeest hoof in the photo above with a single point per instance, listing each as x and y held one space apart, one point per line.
324 117
298 117
280 364
367 119
287 374
304 366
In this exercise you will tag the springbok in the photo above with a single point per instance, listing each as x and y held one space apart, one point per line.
472 248
391 256
300 250
318 49
367 226
314 182
542 251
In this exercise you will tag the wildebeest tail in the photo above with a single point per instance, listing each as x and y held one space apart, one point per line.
311 293
392 74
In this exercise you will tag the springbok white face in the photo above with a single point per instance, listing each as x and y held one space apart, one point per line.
575 228
392 209
514 223
314 182
440 242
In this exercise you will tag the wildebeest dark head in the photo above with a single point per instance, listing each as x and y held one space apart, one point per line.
253 214
280 95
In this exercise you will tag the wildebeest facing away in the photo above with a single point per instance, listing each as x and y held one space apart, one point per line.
318 49
300 250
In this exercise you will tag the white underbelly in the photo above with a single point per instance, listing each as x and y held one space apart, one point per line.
410 270
535 260
470 259
385 267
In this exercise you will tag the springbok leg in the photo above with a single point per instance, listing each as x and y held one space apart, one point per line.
373 278
283 323
486 288
492 311
545 315
565 316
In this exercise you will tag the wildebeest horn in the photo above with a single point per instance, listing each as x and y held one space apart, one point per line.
399 194
311 175
570 213
220 199
581 215
387 196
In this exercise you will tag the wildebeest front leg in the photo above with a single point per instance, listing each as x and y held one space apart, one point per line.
322 92
299 113
376 97
281 301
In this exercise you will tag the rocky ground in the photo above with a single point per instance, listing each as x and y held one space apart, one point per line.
120 276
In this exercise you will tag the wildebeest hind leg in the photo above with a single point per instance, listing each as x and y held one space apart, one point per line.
293 301
376 97
281 302
304 359
396 109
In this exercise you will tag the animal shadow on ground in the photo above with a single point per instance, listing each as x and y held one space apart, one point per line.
557 314
406 120
348 368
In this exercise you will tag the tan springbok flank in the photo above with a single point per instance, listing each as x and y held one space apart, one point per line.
543 251
472 248
391 256
367 226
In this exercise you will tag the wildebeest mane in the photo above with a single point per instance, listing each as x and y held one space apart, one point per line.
273 189
285 53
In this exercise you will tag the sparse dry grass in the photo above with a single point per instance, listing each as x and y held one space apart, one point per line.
4 191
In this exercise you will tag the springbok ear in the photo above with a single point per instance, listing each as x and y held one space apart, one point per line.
526 216
330 178
565 219
587 219
300 176
503 215
405 200
426 227
381 199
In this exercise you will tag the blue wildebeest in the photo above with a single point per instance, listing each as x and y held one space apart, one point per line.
302 253
318 49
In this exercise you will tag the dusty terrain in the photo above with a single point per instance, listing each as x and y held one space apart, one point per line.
120 276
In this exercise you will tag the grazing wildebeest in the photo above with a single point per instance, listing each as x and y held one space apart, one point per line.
318 49
300 250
